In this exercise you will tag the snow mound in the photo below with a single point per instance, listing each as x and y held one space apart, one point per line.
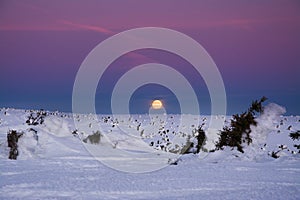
57 126
259 133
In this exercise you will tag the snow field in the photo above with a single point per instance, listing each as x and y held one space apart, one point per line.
53 163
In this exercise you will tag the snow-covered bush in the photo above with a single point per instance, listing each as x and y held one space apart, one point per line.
194 144
295 135
36 118
12 142
94 138
238 132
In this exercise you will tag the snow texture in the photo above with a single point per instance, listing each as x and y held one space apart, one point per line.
54 162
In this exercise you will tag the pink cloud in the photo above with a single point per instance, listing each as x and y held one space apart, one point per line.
104 17
62 25
86 27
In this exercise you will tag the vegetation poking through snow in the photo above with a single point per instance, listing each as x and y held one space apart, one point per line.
200 136
173 161
297 146
187 146
239 131
35 135
161 132
36 118
12 142
75 133
275 154
295 135
196 146
95 138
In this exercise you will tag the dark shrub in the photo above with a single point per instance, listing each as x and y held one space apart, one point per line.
94 138
239 131
36 118
200 138
295 135
12 142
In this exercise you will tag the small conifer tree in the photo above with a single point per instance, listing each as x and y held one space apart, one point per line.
239 131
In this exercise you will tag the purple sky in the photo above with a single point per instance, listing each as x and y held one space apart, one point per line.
255 44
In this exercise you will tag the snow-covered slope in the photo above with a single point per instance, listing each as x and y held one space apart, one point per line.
55 163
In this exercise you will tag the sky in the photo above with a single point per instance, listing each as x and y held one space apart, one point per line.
255 45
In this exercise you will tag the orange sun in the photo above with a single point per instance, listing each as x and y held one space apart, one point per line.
157 104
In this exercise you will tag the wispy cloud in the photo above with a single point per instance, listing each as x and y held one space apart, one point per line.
63 25
27 21
244 23
60 25
87 27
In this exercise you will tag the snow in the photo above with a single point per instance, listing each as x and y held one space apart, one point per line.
56 164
